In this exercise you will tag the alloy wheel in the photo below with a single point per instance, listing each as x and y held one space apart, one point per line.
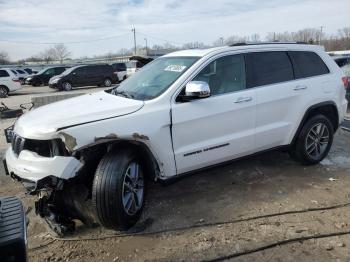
133 189
108 83
3 91
317 140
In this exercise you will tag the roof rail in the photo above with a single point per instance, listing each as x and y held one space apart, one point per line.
267 43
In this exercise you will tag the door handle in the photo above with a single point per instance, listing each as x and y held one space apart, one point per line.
301 87
243 99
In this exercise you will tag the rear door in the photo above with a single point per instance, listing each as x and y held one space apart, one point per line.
285 84
218 128
271 74
93 73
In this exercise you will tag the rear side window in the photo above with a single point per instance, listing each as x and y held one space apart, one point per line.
265 68
307 64
3 73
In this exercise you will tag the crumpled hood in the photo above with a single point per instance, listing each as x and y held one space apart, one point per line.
43 121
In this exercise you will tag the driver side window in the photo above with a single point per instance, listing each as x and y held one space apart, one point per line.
224 75
50 71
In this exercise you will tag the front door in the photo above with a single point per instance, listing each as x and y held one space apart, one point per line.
218 128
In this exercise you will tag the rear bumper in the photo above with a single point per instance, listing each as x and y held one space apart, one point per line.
15 86
29 166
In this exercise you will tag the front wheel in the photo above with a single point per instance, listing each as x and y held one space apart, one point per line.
119 189
107 82
66 86
37 83
314 141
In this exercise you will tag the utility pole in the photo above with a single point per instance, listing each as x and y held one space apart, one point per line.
133 30
321 35
146 46
222 40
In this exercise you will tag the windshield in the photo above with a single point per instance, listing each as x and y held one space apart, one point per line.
154 78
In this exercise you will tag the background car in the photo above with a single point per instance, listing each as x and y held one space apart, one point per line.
344 64
9 82
84 75
119 69
43 77
30 71
135 63
21 74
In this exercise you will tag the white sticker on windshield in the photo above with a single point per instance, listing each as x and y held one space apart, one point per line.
175 68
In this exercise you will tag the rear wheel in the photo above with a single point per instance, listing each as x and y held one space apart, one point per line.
3 91
119 189
314 140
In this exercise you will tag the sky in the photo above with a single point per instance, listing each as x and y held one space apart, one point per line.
91 27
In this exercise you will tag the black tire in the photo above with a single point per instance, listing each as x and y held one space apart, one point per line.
107 82
3 91
299 149
66 86
107 190
37 83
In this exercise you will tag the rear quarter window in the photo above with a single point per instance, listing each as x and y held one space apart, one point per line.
265 68
307 64
3 73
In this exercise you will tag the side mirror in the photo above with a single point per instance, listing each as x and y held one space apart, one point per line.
197 90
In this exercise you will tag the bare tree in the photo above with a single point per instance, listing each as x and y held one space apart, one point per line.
193 45
255 38
236 39
48 55
61 52
4 58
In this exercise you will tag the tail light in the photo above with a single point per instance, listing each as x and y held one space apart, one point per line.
15 80
345 82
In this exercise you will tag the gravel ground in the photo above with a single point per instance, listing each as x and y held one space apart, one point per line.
233 211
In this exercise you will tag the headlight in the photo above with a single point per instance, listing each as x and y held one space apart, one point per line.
28 78
54 81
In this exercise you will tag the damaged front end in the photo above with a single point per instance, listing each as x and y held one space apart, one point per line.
48 170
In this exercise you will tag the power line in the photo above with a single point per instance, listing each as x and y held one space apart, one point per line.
71 42
161 39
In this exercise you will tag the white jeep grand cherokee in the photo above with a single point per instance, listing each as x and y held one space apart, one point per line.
88 157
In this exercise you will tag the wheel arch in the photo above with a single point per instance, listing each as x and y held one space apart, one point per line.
150 162
327 108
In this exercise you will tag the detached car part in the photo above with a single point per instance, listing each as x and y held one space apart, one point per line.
13 230
6 112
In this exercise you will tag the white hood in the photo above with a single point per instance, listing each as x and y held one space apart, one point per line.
45 120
